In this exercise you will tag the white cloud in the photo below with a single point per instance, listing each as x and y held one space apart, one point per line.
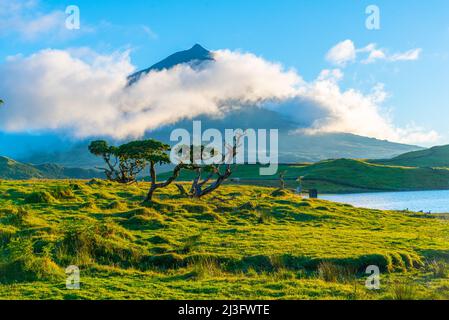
149 32
342 53
346 52
373 54
54 89
410 55
42 24
26 19
358 113
85 93
380 54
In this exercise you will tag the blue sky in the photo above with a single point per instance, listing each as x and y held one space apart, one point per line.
296 33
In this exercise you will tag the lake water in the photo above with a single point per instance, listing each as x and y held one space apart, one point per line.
433 201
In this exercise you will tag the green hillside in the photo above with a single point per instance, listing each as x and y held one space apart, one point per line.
434 157
10 169
345 175
239 243
14 170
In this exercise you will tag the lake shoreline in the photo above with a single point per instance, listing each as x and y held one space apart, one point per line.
429 201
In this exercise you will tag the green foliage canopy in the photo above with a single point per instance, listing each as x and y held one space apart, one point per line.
145 150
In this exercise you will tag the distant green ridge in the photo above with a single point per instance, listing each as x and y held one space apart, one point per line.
14 170
434 157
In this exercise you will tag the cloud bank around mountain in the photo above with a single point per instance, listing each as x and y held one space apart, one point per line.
86 94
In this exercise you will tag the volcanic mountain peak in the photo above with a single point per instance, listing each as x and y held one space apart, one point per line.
194 56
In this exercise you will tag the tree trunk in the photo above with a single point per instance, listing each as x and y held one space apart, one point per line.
155 185
150 194
153 182
199 192
181 189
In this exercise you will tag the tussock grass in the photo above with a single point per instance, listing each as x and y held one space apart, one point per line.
116 205
23 265
42 197
103 243
331 272
438 268
404 290
205 268
63 193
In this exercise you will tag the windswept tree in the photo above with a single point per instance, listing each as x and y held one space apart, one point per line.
208 177
126 162
154 153
282 175
122 166
101 148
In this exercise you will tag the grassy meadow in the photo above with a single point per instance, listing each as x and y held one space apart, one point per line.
242 242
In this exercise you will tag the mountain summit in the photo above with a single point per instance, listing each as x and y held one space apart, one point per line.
194 56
